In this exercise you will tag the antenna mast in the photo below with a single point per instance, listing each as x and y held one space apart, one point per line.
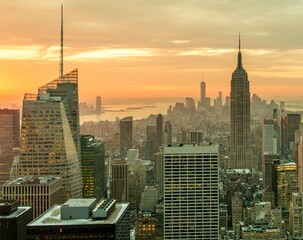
61 46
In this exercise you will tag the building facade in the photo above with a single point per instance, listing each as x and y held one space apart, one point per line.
240 152
191 195
119 181
13 220
82 219
92 167
39 192
50 140
126 135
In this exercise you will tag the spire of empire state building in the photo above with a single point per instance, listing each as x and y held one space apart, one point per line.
240 153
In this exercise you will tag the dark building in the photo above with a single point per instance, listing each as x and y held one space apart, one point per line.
82 219
9 139
292 125
92 166
119 181
126 135
240 152
167 135
150 143
10 129
268 169
13 220
159 131
98 105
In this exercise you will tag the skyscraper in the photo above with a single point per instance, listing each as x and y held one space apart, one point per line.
98 105
119 183
9 139
50 133
191 195
167 135
126 135
159 131
92 166
240 154
202 93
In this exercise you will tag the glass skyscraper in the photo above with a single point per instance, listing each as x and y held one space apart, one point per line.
50 139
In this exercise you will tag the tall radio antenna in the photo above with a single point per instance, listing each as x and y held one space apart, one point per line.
61 46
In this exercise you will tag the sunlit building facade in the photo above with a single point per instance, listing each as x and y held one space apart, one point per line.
50 140
191 194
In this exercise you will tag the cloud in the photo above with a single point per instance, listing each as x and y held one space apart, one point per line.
19 52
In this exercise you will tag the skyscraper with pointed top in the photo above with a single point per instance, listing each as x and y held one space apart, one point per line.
50 131
240 153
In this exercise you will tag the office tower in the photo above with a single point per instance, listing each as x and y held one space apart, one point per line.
119 181
13 220
132 157
190 105
82 219
10 130
92 167
9 139
50 134
150 142
264 232
196 137
181 136
207 103
159 131
149 199
285 183
240 152
270 138
268 170
167 135
295 215
292 125
126 135
283 124
202 93
191 195
39 192
98 105
159 171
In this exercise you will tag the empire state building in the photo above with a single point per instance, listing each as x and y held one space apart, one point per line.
240 153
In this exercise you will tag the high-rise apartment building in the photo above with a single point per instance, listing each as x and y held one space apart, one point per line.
119 180
126 135
39 192
191 195
159 131
9 139
98 105
93 167
240 152
50 140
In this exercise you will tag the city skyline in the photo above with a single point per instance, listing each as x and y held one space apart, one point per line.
155 49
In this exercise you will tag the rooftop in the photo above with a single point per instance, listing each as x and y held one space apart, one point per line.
53 216
32 180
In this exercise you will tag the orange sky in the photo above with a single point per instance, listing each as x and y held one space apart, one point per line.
151 49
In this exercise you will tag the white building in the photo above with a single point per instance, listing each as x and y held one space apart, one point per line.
191 192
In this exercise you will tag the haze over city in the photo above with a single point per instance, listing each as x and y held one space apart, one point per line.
151 49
